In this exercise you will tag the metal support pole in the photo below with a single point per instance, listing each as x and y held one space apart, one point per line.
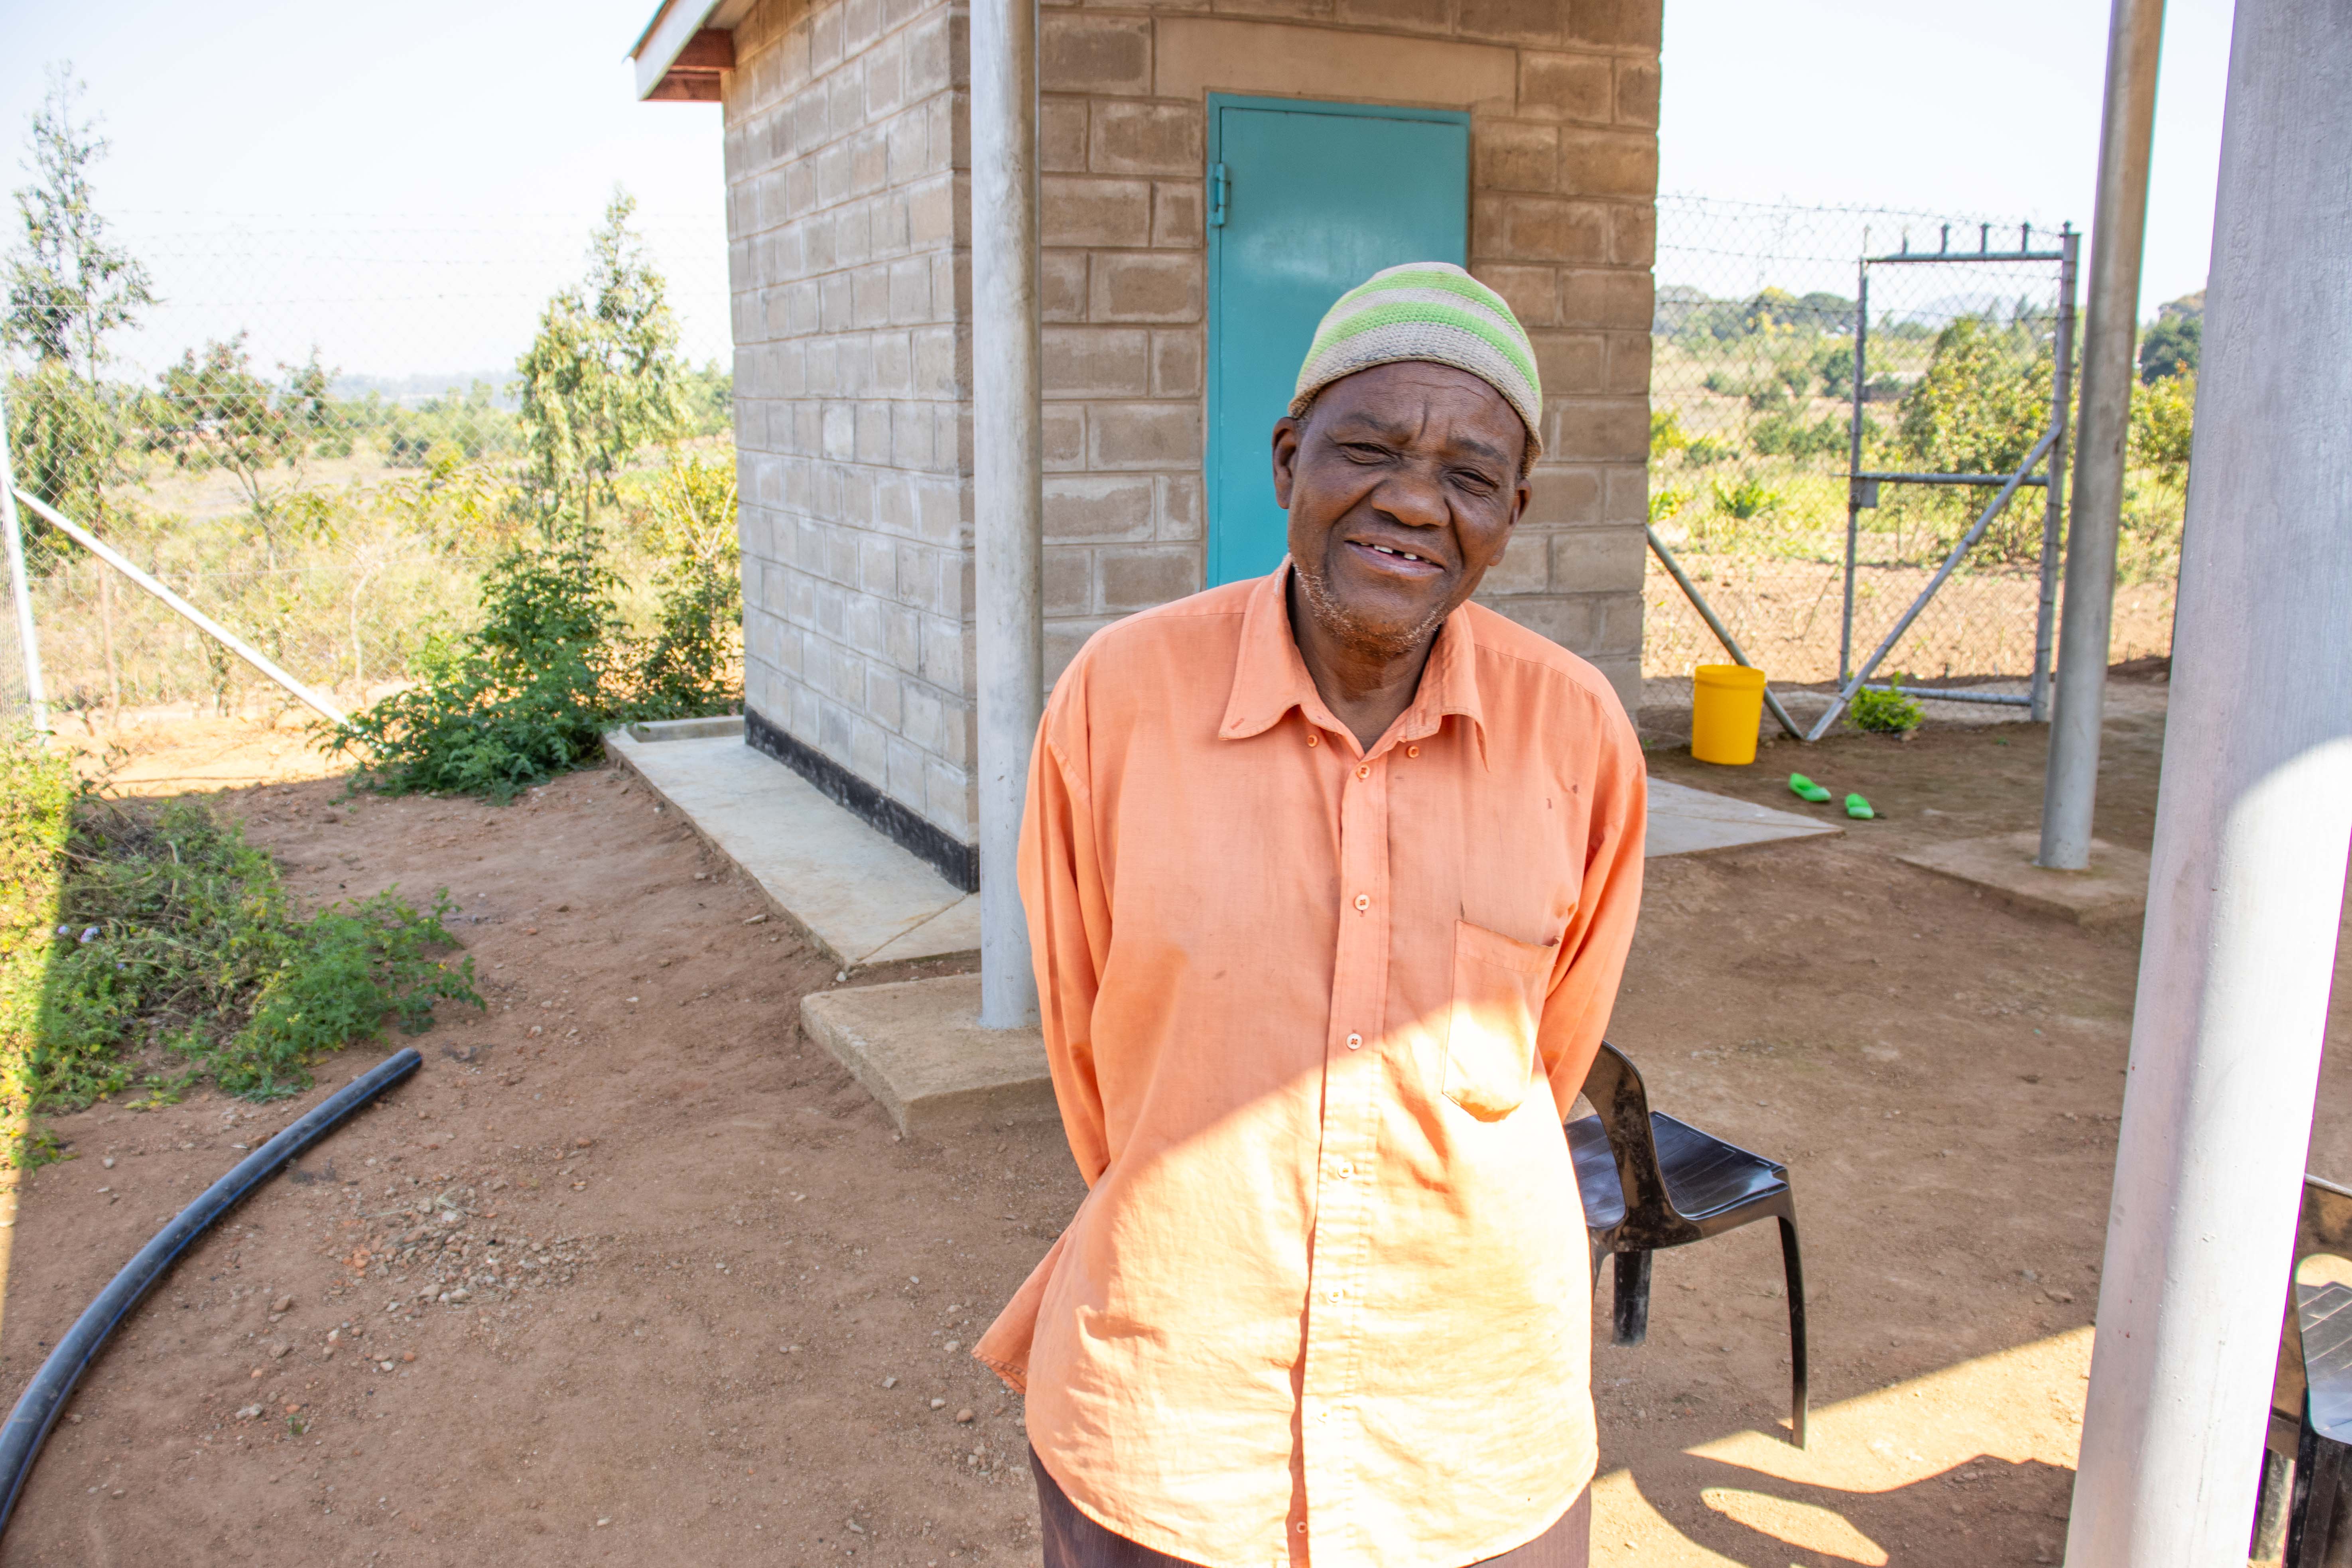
1853 462
1008 482
2253 818
203 622
2135 31
36 696
2053 499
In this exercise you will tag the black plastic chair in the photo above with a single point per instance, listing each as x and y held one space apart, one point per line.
1649 1182
2306 1489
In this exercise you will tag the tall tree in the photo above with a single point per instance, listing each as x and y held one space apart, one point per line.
602 376
68 286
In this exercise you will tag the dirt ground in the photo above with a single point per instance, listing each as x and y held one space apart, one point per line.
715 1310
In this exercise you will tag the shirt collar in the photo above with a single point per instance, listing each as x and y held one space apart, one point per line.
1270 679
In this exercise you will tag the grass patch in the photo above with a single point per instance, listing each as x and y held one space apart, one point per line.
37 798
170 953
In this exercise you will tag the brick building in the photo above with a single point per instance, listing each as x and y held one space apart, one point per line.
1528 139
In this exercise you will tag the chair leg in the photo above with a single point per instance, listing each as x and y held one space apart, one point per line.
2270 1508
1633 1303
2319 1497
1794 1268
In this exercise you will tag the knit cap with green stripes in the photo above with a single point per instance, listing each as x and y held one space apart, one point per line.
1427 310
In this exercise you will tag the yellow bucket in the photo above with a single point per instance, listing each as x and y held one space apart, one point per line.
1727 710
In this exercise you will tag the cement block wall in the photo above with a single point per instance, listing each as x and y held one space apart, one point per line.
849 217
849 230
1563 101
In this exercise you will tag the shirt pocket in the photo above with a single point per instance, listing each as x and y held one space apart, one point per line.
1490 1032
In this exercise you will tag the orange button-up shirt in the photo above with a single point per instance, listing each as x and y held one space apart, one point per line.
1314 1016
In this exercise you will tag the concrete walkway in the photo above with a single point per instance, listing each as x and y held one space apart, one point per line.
859 898
1687 821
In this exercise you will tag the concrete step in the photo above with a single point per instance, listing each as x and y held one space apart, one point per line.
918 1049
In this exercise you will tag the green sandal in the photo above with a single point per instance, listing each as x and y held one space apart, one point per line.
1806 789
1858 808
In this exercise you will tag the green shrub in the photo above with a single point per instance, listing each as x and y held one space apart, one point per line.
178 955
686 668
1788 434
530 694
1748 498
37 794
1888 713
517 703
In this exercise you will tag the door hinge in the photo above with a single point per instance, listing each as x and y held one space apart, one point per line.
1219 186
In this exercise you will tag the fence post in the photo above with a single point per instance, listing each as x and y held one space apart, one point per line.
1854 457
2118 225
37 697
2054 498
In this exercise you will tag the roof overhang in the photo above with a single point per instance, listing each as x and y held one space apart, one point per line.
685 49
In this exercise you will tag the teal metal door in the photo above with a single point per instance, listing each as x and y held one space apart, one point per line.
1306 201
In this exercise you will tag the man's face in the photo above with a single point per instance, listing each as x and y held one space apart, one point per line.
1403 485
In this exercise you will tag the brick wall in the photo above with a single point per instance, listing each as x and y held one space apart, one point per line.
848 221
1563 101
847 156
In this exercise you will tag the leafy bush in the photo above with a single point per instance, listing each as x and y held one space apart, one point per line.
520 701
1788 434
1664 503
178 952
2163 414
2171 346
1979 408
1666 433
530 692
1748 498
1707 451
1888 713
686 669
1983 402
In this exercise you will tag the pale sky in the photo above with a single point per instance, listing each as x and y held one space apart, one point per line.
404 183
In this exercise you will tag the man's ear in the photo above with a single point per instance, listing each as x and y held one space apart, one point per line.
1286 434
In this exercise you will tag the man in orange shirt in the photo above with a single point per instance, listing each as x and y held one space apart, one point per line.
1331 877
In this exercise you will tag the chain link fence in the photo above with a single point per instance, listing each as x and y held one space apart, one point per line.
312 427
1751 393
313 430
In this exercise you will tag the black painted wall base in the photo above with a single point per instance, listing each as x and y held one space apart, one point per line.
957 861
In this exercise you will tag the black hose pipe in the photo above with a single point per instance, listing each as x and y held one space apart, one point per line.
36 1412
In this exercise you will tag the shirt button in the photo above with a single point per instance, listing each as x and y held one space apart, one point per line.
1355 1042
1335 1293
1363 771
1412 751
1347 1171
1312 739
1363 902
1302 1527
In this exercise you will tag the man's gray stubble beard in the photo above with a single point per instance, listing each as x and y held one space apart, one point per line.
1351 628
